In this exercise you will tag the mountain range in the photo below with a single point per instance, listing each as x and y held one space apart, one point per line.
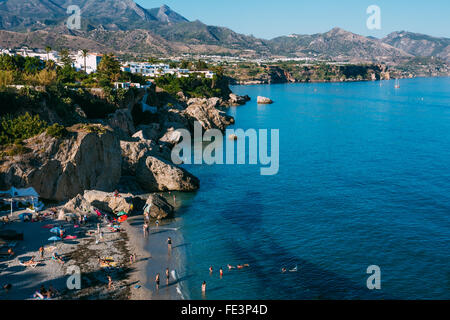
123 26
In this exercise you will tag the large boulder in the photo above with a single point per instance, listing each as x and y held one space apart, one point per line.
122 121
155 174
236 100
60 169
80 205
172 136
148 132
264 100
134 151
106 201
158 207
205 112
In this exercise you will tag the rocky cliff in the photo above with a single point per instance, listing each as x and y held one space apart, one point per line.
102 156
60 169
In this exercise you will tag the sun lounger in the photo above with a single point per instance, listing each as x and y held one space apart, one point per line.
29 264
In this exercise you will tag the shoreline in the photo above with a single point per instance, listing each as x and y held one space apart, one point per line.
337 81
152 258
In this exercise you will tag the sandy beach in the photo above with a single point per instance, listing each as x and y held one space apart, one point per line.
130 280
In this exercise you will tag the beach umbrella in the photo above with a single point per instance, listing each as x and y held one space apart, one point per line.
55 230
23 215
54 239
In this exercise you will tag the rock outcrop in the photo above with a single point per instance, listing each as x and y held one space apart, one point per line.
79 205
172 136
236 100
134 151
264 100
89 158
106 201
122 121
160 175
148 132
158 207
206 113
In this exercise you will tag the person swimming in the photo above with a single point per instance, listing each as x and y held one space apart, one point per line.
231 267
283 270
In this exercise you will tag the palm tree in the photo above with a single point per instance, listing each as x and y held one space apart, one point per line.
48 49
84 53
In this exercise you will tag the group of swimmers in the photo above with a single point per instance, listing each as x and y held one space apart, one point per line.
230 267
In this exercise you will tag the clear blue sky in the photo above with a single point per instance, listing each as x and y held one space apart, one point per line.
271 18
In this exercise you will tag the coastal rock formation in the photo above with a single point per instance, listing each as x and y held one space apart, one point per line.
79 205
122 121
205 112
264 100
106 201
236 100
134 151
155 174
158 207
172 136
148 132
61 169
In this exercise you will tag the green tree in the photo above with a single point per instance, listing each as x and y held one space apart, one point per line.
47 50
109 68
84 53
65 58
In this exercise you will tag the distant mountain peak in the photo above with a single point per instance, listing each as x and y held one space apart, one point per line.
167 15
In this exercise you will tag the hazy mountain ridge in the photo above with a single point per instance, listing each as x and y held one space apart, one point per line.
420 44
124 26
337 44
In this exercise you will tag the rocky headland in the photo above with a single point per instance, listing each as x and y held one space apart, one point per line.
128 150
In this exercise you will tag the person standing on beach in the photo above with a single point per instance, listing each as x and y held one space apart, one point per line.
41 252
145 228
169 244
167 276
157 281
109 282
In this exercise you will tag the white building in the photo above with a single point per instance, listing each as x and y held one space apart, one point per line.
41 54
92 62
156 70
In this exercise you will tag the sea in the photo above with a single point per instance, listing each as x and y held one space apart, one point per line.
361 197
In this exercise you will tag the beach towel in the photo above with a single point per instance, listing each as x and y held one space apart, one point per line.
123 218
99 214
70 237
48 226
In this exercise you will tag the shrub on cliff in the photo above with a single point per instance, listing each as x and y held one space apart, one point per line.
57 131
15 130
196 86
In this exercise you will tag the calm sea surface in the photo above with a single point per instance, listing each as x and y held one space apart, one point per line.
364 180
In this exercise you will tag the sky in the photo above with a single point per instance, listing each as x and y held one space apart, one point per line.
268 19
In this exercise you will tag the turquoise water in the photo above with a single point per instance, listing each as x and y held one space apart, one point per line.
364 180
